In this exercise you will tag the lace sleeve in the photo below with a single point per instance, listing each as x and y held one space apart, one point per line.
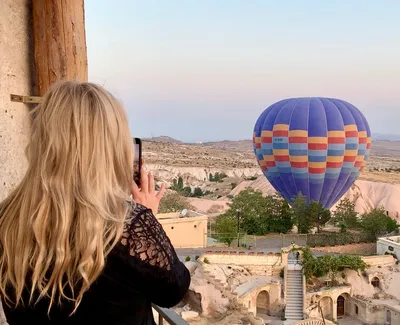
145 239
155 269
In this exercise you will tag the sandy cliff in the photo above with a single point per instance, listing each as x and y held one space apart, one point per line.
198 174
366 195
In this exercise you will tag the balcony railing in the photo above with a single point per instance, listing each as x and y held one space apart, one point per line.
168 316
309 322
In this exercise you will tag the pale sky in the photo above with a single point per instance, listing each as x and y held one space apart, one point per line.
203 70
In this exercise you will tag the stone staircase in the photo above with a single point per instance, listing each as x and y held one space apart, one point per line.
294 294
226 291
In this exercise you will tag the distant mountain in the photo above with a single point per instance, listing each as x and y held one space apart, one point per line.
233 145
248 144
388 137
163 138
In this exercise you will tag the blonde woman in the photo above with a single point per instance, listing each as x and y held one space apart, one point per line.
74 247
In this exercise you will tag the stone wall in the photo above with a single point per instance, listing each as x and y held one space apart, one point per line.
327 299
16 77
388 245
379 260
16 67
374 312
257 263
353 249
264 297
186 232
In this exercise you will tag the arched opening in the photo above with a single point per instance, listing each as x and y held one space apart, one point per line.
326 304
340 306
294 257
375 282
249 305
263 303
356 309
388 317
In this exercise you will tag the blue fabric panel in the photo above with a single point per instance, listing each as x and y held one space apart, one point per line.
317 116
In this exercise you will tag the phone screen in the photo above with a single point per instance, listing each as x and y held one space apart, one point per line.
137 160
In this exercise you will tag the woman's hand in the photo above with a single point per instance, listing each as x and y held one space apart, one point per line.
147 195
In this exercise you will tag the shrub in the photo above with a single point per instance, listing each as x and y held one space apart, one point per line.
251 178
173 202
206 261
329 264
187 259
217 177
342 238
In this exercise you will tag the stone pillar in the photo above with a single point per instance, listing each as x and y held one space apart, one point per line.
16 77
334 311
284 263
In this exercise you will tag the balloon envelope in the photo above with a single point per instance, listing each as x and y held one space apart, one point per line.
313 146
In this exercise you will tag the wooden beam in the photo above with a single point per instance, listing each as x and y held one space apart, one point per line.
25 99
59 42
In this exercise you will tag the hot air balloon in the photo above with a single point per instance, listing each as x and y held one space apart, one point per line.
313 146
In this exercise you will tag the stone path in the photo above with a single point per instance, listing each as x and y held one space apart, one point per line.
349 321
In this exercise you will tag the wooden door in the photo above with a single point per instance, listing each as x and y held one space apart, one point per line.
340 306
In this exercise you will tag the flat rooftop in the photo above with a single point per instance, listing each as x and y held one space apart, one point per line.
178 215
394 239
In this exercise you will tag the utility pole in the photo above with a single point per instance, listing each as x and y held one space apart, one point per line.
238 227
59 42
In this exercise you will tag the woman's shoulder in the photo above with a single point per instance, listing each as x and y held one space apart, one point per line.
144 240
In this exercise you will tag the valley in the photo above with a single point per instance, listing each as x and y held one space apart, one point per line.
168 159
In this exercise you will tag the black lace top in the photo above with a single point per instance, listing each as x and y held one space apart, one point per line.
142 269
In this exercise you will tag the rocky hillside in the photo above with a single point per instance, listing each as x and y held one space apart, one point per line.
170 158
366 195
197 176
378 184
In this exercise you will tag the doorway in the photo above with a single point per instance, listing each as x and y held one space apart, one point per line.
388 317
340 306
263 303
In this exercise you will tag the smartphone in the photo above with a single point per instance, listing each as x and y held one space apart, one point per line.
137 160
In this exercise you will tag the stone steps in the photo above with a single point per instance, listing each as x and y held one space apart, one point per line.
226 292
294 295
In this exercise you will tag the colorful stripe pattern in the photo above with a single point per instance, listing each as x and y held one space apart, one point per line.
313 146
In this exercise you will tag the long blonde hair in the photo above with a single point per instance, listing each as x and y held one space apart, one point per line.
61 221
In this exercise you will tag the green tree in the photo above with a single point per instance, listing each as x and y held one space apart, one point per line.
218 177
180 182
198 192
173 202
285 220
259 214
316 215
345 215
299 205
177 184
186 191
279 215
226 228
376 223
250 204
